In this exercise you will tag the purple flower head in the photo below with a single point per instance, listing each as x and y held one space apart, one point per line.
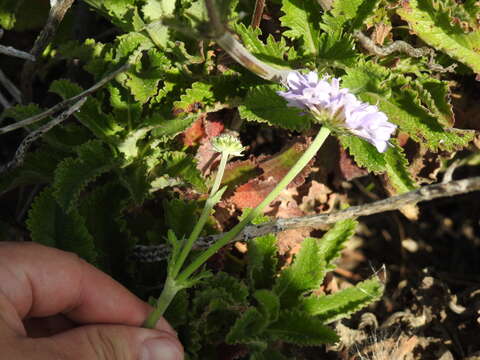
325 98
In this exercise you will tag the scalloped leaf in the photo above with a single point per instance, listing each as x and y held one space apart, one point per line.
305 274
268 304
434 25
333 241
351 13
302 17
74 174
113 246
90 114
364 153
272 52
50 225
395 95
248 326
199 94
343 303
177 164
262 261
300 328
262 104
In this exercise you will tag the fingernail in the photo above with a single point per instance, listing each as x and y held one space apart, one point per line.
160 349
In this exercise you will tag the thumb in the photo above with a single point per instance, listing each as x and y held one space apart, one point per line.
109 342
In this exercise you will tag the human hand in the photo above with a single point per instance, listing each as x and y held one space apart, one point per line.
53 305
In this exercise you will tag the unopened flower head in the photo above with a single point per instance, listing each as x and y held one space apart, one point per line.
229 144
338 107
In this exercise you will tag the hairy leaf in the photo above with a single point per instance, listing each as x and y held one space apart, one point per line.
272 52
199 94
302 17
268 304
262 261
262 104
333 242
247 327
305 274
434 25
343 303
50 225
73 174
297 327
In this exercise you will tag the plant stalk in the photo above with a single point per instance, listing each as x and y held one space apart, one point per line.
294 171
209 204
169 291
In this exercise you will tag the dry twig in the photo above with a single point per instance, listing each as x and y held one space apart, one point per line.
34 135
425 193
55 17
257 13
65 103
10 86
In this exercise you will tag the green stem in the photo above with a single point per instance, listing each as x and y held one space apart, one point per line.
168 293
202 220
229 236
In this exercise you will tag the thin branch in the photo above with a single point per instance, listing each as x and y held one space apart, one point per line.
10 86
57 12
10 51
396 46
4 102
401 47
426 193
65 103
257 13
34 135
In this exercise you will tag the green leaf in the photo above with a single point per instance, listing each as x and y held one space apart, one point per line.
143 81
399 97
101 208
199 93
397 169
37 168
247 327
268 304
435 94
272 52
8 9
305 274
74 174
343 303
433 25
262 261
302 17
351 14
178 164
50 225
300 328
180 215
333 241
137 181
90 114
262 104
364 153
166 129
336 48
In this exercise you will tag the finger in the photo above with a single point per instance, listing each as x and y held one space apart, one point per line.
100 342
48 326
40 281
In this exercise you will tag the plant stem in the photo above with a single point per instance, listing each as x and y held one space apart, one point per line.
209 204
169 291
294 171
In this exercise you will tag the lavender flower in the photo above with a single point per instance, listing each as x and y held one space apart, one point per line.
325 99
